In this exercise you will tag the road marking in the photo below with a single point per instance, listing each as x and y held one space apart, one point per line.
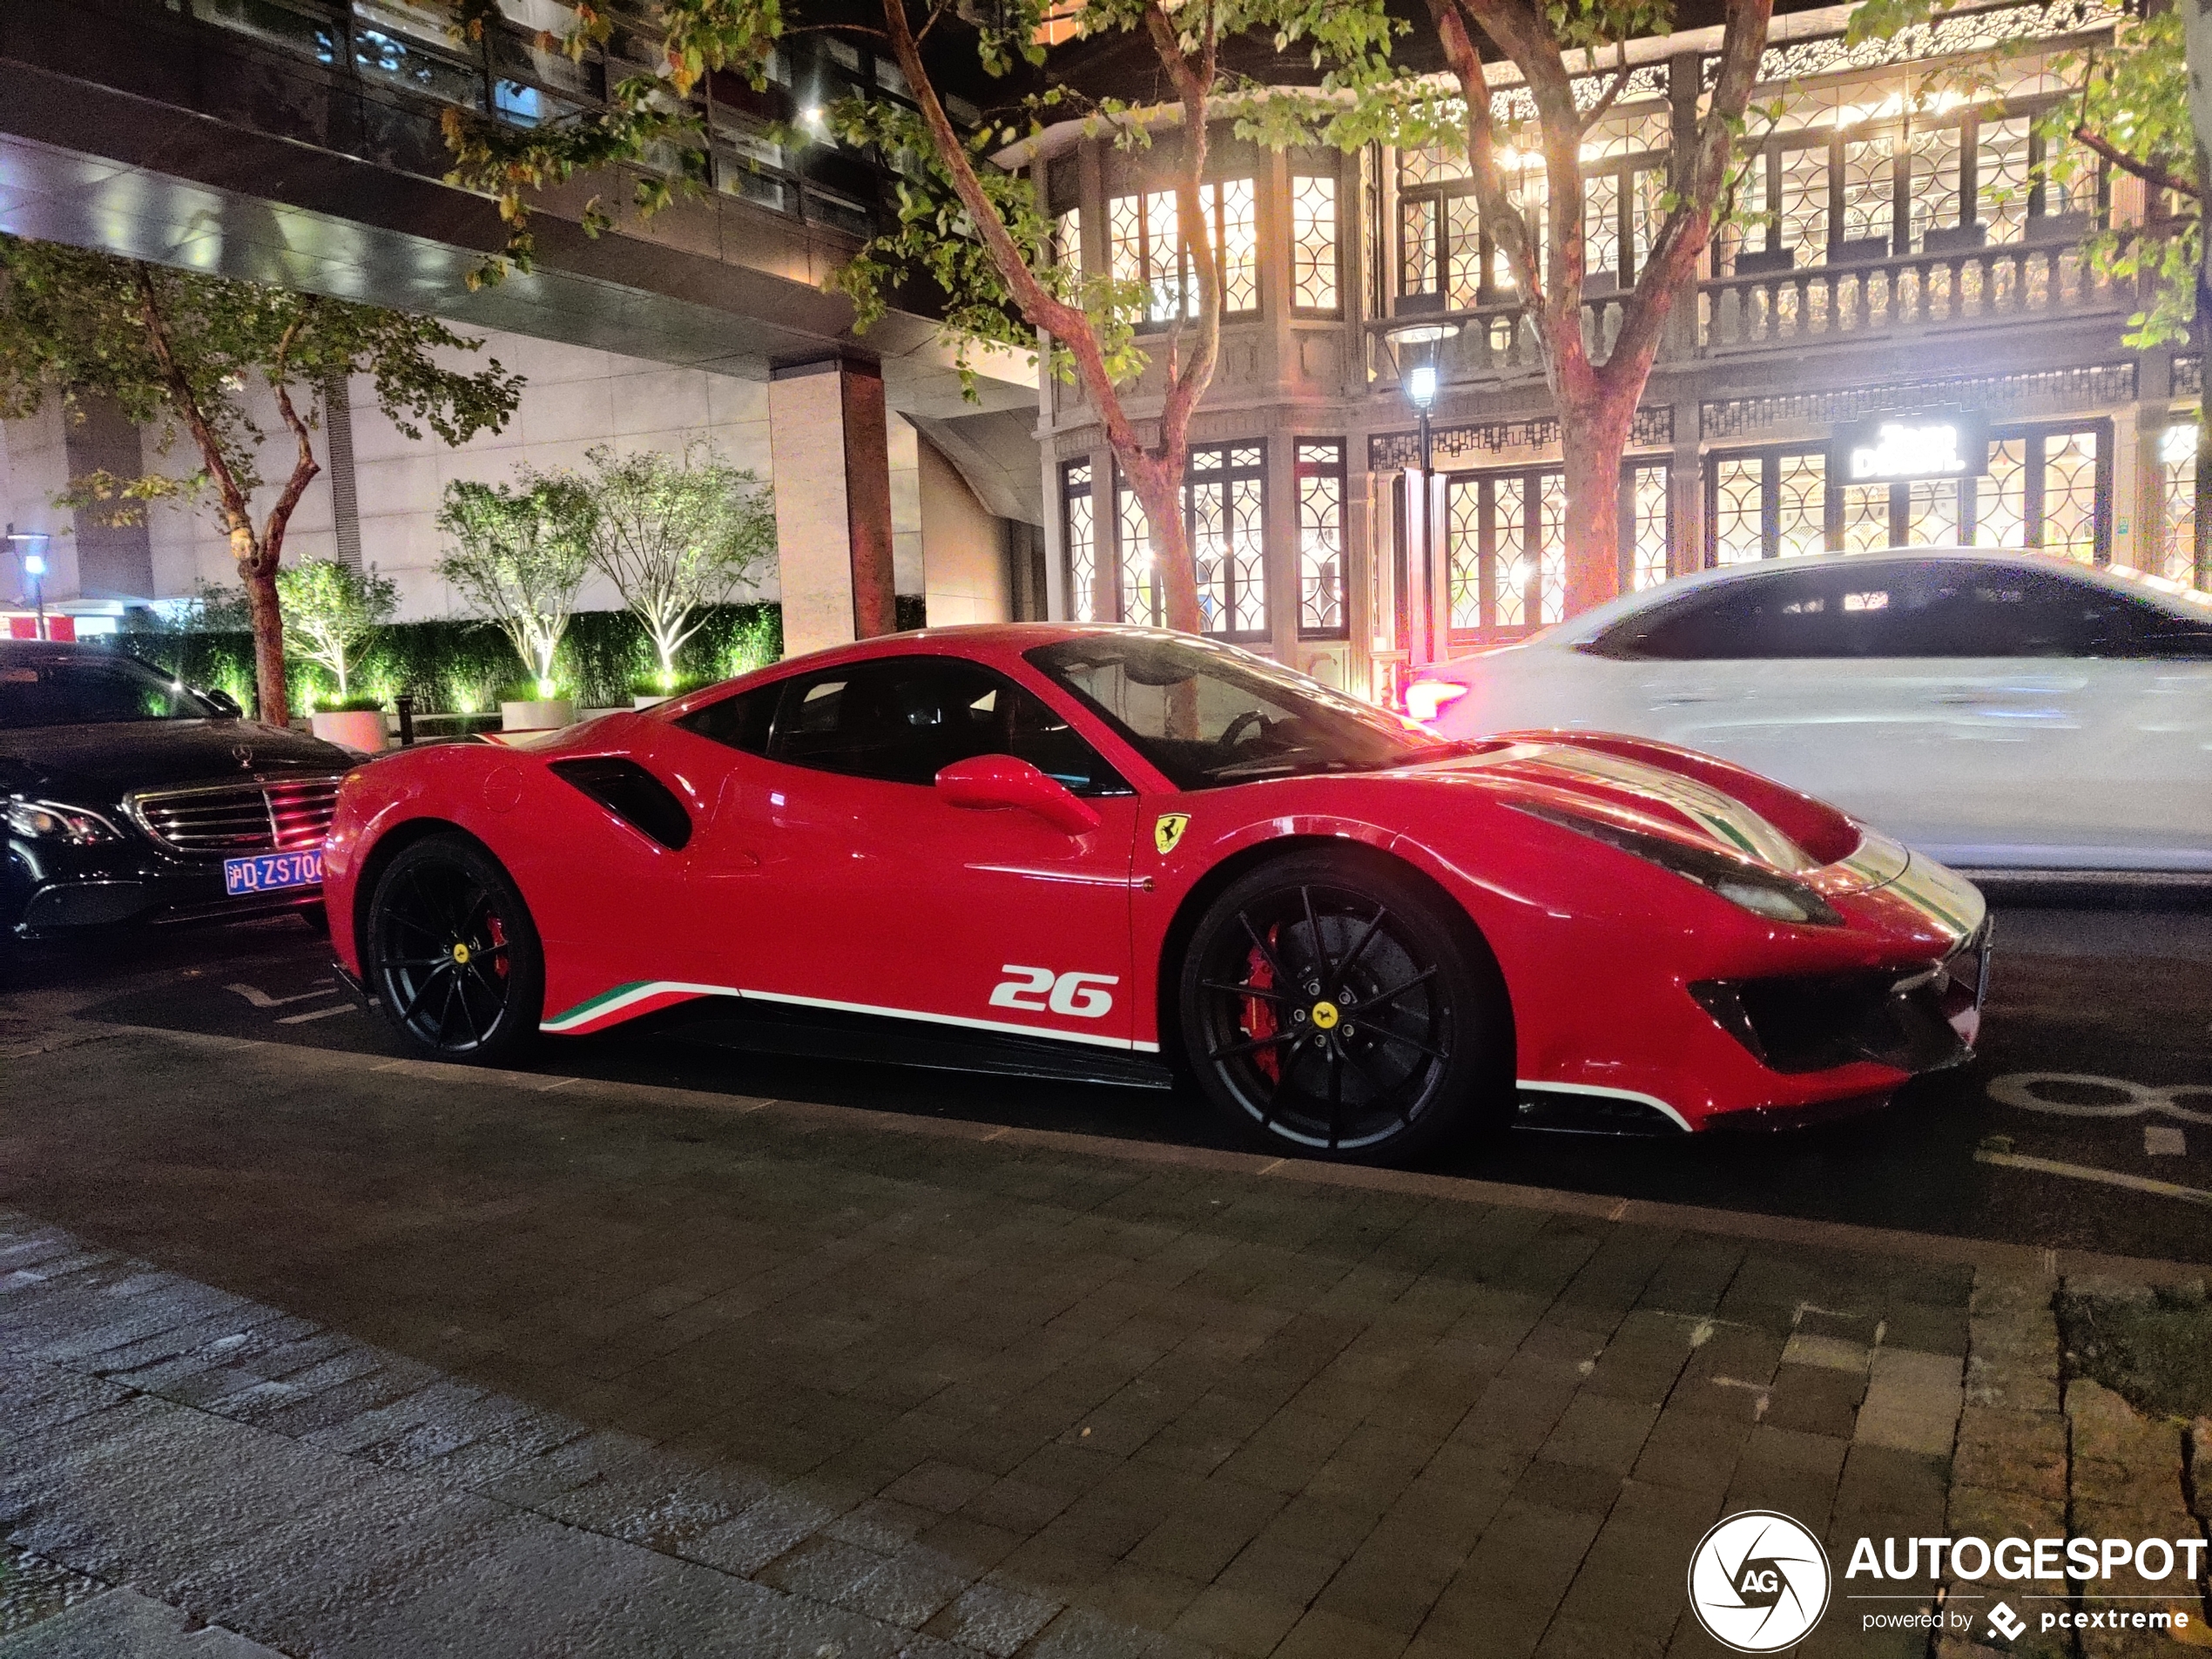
317 1014
2019 1089
261 999
2107 1177
2164 1141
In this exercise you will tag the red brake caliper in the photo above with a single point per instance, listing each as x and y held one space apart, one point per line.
498 938
1259 1016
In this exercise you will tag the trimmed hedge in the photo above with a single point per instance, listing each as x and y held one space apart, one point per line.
462 667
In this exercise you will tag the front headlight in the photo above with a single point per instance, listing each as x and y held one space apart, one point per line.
1763 893
52 820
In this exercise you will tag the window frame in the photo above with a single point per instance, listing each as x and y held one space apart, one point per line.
1141 189
1333 176
1323 458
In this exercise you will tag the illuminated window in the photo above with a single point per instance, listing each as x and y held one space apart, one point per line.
2070 520
1651 533
1935 182
1870 199
1321 539
1866 517
1144 247
1443 247
1738 509
1801 505
1801 203
2000 496
1068 239
2001 177
2178 555
1313 243
1079 527
1602 223
1467 513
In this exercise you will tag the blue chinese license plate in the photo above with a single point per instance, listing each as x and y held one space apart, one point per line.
269 872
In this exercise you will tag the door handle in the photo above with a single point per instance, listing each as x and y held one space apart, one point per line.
1681 699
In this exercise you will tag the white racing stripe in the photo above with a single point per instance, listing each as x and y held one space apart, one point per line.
592 1012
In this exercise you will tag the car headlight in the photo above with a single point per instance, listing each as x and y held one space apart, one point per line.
52 820
1763 893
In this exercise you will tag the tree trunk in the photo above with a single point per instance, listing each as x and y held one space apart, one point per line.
1592 436
1159 487
257 573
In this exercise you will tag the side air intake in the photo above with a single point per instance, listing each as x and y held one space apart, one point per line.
632 794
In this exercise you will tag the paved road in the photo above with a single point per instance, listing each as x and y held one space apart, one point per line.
2114 993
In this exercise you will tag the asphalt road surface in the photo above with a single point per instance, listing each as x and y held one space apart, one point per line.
2086 1123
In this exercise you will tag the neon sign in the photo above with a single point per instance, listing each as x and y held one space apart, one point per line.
1892 448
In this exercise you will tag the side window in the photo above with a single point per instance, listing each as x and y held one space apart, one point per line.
1785 614
741 722
904 720
2007 612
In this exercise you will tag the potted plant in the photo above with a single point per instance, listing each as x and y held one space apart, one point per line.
520 556
675 534
331 611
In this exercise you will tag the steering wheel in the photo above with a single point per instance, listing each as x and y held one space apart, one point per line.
1250 717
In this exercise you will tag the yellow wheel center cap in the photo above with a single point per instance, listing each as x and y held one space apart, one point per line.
461 955
1324 1016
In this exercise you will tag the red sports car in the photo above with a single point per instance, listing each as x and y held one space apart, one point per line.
1141 852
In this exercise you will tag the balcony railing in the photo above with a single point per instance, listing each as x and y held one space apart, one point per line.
1810 307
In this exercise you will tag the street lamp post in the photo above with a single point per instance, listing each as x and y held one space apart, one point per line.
30 548
1415 348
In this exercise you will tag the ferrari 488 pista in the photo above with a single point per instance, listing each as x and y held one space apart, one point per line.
1143 853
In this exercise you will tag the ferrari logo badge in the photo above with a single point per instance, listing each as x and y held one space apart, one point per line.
1168 830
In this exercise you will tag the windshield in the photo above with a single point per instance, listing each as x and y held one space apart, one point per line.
1207 714
93 689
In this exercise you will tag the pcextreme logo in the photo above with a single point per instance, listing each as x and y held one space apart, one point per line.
1758 1581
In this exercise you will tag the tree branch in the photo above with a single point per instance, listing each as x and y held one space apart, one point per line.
303 467
237 510
2149 171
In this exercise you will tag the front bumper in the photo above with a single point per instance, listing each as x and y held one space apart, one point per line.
70 893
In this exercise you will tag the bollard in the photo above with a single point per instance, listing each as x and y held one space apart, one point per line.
405 705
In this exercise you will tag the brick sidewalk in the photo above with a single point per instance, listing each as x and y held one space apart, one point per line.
367 1360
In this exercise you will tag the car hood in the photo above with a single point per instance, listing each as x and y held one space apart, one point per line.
1656 789
97 764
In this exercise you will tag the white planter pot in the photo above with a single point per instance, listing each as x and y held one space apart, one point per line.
361 729
536 715
642 702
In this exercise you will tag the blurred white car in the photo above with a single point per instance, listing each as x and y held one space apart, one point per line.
1998 711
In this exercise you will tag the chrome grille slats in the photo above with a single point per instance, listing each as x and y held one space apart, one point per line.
285 814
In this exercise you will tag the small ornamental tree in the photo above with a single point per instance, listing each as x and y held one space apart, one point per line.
331 611
177 351
519 556
676 533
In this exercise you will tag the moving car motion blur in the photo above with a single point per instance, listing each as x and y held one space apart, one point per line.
1113 850
2002 712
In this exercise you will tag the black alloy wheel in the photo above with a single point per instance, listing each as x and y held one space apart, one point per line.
1333 1004
452 956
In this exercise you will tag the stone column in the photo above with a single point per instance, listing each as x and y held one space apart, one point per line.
827 437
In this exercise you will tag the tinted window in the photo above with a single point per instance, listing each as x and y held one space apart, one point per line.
742 721
1207 714
1890 609
93 689
904 720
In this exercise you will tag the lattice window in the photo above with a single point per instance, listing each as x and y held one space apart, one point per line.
1321 539
1429 166
1647 216
1068 239
2000 496
1313 243
1463 253
1931 513
1144 246
1935 182
2178 556
1802 202
1551 547
1079 529
2070 494
1866 517
1143 599
2068 176
1528 191
1801 505
1651 535
1739 514
1417 246
1869 203
1464 512
1509 597
1602 223
2001 176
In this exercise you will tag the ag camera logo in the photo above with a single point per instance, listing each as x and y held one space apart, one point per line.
1758 1581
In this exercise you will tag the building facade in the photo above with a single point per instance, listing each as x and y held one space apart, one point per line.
1906 250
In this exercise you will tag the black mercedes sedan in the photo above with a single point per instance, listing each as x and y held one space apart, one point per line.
129 798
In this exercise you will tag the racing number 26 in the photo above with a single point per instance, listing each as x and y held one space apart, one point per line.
1039 990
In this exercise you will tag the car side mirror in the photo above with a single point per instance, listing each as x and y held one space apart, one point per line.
993 783
224 701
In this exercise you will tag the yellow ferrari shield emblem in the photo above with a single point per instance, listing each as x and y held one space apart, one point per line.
1168 830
